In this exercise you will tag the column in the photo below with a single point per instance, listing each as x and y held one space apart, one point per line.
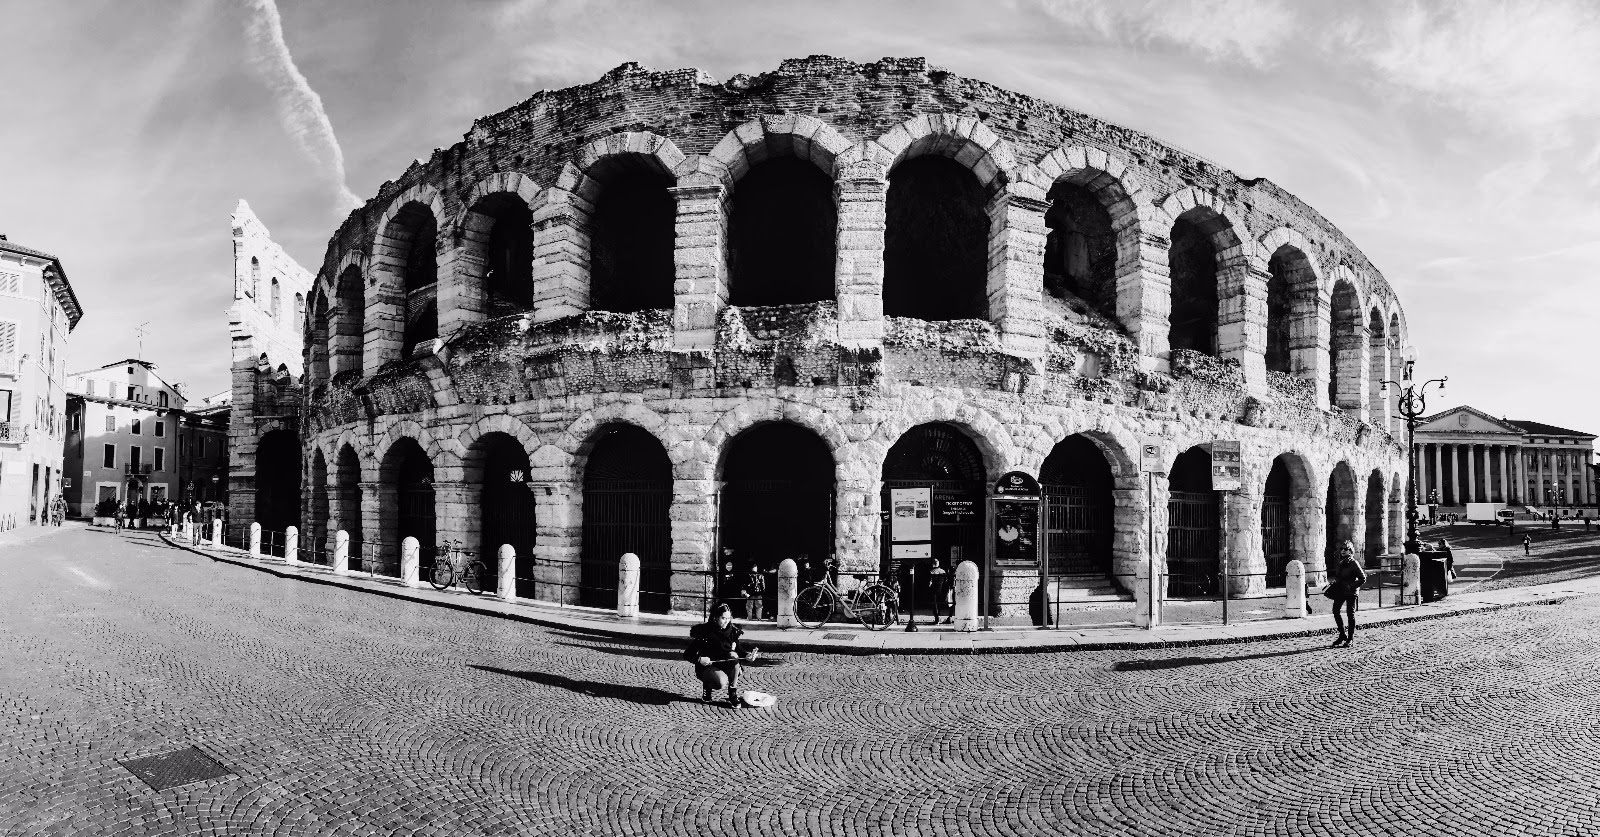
561 249
858 265
1472 473
1505 479
700 256
1016 261
1453 451
1538 476
1438 471
1521 471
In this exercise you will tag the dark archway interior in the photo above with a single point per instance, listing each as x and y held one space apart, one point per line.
420 231
1275 504
1278 359
627 494
782 234
944 459
352 295
1080 250
1339 510
936 242
413 482
508 256
631 240
1077 484
1193 526
777 503
348 478
1346 318
277 485
507 508
1192 264
316 547
1375 545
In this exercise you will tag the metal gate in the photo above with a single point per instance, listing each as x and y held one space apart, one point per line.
509 518
1275 537
1077 531
1192 541
627 516
416 521
766 521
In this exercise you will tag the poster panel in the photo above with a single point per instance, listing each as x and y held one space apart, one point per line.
910 514
1225 466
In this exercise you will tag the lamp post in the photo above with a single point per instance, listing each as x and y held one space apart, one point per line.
1413 405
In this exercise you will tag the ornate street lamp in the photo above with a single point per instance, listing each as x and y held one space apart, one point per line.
1413 405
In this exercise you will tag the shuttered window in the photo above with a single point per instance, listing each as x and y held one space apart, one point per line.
8 346
10 283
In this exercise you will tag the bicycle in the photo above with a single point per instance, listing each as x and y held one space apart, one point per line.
876 605
452 565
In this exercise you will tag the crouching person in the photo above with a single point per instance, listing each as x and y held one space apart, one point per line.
714 649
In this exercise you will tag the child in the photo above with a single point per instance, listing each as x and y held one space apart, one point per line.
754 592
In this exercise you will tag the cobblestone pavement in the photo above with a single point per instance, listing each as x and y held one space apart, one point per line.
345 713
1570 553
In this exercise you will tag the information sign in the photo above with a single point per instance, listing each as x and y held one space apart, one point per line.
910 515
954 510
1152 457
1225 463
1016 532
1016 484
910 551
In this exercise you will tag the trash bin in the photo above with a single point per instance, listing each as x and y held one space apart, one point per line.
1435 580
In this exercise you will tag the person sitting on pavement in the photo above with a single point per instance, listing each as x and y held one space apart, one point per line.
1345 578
714 650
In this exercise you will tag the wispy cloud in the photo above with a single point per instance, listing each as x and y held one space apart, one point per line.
1246 30
299 107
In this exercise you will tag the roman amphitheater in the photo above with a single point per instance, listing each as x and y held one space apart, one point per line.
714 323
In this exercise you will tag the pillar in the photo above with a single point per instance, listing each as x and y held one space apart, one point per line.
628 585
410 562
560 256
341 552
1016 261
506 572
1472 473
858 267
1518 452
291 544
1538 476
966 596
1438 470
1294 589
788 589
700 258
1144 297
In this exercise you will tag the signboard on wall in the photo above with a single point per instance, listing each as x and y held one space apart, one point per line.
954 510
1225 466
1152 457
1016 531
1016 484
910 515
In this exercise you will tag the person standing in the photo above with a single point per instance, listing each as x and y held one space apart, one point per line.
754 592
938 588
1345 578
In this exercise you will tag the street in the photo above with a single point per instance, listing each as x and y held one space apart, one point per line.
341 712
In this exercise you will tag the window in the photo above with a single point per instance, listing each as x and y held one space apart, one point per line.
110 457
135 456
161 459
131 391
11 283
161 428
111 422
8 346
75 422
181 446
5 405
88 387
163 398
135 428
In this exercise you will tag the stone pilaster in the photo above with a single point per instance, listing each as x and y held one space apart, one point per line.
1144 296
1245 555
700 258
1310 341
1016 271
561 250
1242 320
858 268
694 523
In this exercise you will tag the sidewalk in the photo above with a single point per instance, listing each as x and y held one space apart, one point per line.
852 639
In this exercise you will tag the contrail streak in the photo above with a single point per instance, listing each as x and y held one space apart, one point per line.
299 107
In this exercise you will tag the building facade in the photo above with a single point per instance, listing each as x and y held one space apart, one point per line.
665 315
38 311
1465 455
123 425
265 324
203 449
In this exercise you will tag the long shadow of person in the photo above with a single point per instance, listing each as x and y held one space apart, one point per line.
1184 662
644 695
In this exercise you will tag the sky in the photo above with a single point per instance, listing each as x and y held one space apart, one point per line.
1456 143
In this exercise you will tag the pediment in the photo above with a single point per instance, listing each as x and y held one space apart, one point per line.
1465 419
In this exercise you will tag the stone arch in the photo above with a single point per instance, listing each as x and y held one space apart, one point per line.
962 138
1291 516
578 439
498 496
407 429
1376 519
1397 514
777 500
1209 264
1193 556
763 411
992 438
408 473
779 135
318 544
497 423
1347 388
1104 178
494 258
628 496
625 216
349 473
1297 307
1378 356
400 271
317 340
1340 509
347 294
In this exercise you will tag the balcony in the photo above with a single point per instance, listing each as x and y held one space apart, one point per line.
10 432
133 470
9 365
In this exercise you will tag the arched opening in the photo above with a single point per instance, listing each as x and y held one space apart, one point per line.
1344 362
317 343
1080 250
316 546
1377 370
1340 511
1279 316
627 497
255 279
277 486
505 505
1077 483
345 343
782 234
1375 518
1276 501
940 457
936 242
498 232
1192 265
632 233
274 307
1397 517
1193 526
299 313
406 507
416 230
347 477
777 502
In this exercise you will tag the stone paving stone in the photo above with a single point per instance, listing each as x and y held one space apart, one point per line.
347 713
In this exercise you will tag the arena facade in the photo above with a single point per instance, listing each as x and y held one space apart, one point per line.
666 315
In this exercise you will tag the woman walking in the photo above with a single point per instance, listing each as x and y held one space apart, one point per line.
1345 579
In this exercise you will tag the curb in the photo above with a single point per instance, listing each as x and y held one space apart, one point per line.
802 646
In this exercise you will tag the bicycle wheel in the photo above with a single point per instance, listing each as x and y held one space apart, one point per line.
813 607
877 607
444 575
473 576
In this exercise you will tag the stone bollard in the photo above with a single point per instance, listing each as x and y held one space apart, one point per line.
966 590
1144 616
255 539
291 544
788 589
410 562
1411 580
506 583
216 533
1294 590
628 585
341 552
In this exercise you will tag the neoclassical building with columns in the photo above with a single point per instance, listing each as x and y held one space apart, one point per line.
1465 455
715 323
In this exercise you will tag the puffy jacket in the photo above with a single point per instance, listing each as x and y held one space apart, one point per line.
712 642
1347 577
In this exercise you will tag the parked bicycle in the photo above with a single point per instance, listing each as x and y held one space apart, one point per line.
876 605
455 564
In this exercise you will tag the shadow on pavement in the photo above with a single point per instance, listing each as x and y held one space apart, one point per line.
634 694
1184 662
658 653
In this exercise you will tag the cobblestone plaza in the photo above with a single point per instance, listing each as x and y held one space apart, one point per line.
337 712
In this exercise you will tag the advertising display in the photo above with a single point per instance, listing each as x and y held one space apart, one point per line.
1225 461
1016 532
910 515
